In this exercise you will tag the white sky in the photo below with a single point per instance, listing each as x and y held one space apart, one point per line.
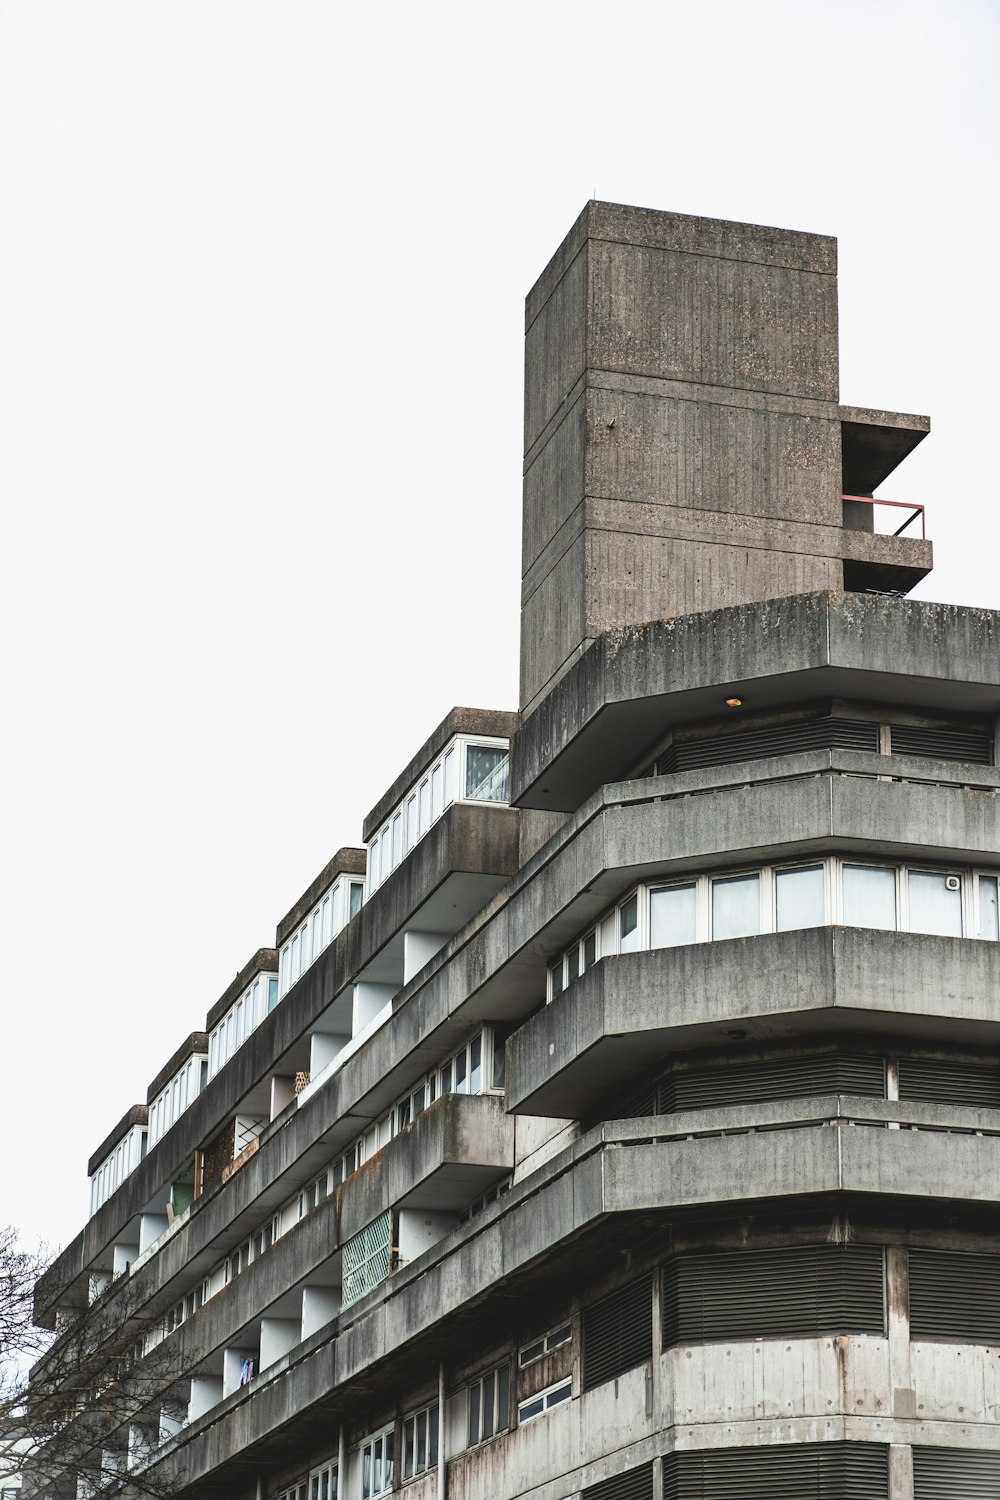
262 269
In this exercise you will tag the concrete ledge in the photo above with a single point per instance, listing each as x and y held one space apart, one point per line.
609 1028
631 685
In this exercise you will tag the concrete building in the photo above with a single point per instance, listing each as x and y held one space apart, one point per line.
623 1120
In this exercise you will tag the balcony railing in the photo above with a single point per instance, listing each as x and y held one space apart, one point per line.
915 511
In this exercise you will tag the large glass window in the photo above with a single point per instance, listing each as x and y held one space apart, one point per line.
628 925
935 903
486 773
799 898
420 1441
673 916
489 1405
989 907
869 896
377 1465
411 821
736 907
323 1483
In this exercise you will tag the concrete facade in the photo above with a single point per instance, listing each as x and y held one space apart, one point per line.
637 1136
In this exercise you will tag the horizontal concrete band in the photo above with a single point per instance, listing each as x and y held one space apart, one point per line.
611 1025
632 684
495 968
619 1168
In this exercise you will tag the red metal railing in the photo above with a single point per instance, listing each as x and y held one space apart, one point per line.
915 511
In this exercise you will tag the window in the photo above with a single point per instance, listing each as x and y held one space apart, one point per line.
489 1405
357 896
293 1492
544 1401
989 907
450 762
628 924
673 916
736 907
411 822
420 1440
397 839
553 1340
869 896
486 773
323 1483
377 1465
935 901
425 806
800 898
435 793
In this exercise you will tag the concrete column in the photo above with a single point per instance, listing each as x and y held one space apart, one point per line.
418 949
898 1313
319 1305
900 1472
151 1226
277 1337
206 1392
324 1047
369 1000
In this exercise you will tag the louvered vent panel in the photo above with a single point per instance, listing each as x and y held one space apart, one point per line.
775 739
955 1474
946 1081
801 1471
774 1078
636 1484
954 1297
972 745
618 1332
751 1294
646 1104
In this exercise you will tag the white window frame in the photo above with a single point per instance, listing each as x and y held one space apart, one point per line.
386 1436
478 1385
537 1349
328 1472
432 1411
562 1390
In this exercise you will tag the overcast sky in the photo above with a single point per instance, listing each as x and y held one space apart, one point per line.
262 269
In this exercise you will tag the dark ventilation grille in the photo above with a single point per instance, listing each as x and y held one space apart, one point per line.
803 1471
774 1078
955 1474
945 1081
757 1294
618 1332
775 739
644 1105
636 1484
955 1297
972 745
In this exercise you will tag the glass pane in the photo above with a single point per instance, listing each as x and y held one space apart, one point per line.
385 855
433 1421
736 907
503 1397
425 807
554 1397
628 925
486 771
446 1078
869 896
573 964
529 1409
556 970
933 907
489 1396
397 839
476 1066
357 893
411 822
475 1394
372 866
449 777
800 898
390 1443
989 907
499 1060
408 1449
673 916
461 1084
435 793
366 1472
422 1440
590 950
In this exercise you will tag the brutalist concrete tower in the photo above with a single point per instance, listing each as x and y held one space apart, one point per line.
622 1121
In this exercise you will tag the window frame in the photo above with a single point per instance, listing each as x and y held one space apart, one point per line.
561 1388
